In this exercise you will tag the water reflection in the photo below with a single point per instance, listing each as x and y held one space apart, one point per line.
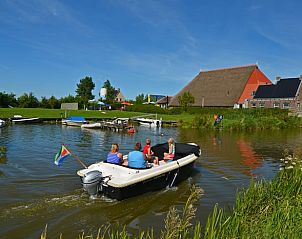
249 157
38 193
3 159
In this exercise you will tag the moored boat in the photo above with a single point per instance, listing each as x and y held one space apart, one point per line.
2 123
24 120
120 182
92 126
77 121
149 122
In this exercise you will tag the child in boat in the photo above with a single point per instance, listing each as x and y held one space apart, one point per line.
170 155
148 153
136 158
114 156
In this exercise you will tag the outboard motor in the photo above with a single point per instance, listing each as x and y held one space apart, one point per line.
92 182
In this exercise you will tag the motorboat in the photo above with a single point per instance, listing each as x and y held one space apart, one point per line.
2 123
24 120
77 121
149 122
120 182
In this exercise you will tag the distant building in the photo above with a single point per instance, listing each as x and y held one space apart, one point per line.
228 87
119 97
285 94
155 98
69 106
164 102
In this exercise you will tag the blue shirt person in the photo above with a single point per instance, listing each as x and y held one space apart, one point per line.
136 158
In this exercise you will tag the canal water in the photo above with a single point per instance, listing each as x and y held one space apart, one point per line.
34 192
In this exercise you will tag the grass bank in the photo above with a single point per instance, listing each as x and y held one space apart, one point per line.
233 119
245 119
266 209
58 113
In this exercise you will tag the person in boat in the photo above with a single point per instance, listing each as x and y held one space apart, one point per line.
136 158
148 152
131 129
114 156
171 153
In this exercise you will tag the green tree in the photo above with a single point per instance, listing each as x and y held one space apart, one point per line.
68 99
28 101
44 103
7 100
54 102
110 92
85 88
140 98
186 100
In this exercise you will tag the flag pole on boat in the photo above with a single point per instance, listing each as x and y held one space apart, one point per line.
74 156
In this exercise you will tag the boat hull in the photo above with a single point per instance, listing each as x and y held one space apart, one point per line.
150 185
25 120
2 123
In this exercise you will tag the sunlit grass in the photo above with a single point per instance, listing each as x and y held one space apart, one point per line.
233 119
267 209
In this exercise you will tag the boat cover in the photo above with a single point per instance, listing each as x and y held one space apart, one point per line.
76 119
181 150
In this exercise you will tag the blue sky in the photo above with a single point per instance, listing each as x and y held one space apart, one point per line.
142 46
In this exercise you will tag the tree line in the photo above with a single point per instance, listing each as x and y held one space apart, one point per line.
83 97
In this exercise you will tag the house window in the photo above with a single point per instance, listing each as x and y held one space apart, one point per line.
285 105
254 105
261 104
276 105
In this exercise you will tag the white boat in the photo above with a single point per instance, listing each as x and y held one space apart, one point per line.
92 126
120 182
77 121
2 123
149 122
24 120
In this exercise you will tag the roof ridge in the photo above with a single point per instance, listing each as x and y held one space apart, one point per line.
230 68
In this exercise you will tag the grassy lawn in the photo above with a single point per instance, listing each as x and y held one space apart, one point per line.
233 119
57 113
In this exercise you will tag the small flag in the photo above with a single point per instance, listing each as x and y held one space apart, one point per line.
61 155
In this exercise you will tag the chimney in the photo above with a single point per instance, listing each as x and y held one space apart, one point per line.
300 77
278 78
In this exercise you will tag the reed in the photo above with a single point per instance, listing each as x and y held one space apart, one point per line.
267 209
247 120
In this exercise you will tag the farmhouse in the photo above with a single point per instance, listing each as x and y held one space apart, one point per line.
228 87
285 94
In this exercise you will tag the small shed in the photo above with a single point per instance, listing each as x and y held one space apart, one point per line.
164 102
69 106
